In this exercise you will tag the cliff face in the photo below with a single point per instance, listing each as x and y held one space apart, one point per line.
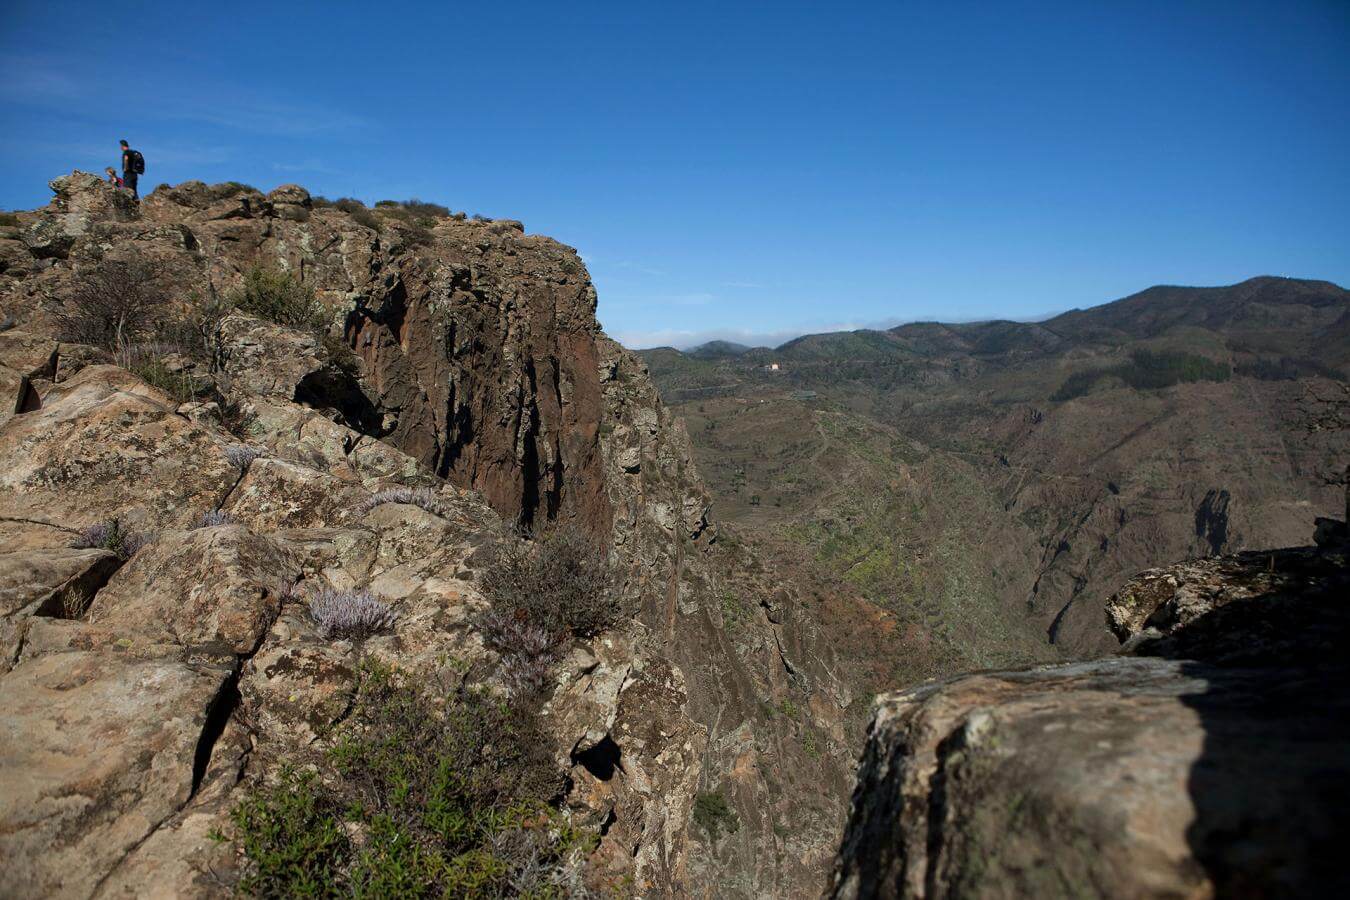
460 356
1208 759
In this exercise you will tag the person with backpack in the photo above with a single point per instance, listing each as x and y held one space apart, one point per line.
133 165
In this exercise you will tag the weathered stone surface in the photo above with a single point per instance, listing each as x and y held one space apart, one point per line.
209 586
267 360
27 361
95 752
35 581
81 200
1170 773
105 443
479 371
274 493
298 683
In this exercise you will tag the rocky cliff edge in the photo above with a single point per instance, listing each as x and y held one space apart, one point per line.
1210 758
143 691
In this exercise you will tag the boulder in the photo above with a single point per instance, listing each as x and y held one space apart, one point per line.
84 785
27 361
210 586
105 443
290 201
36 581
81 200
1171 771
292 194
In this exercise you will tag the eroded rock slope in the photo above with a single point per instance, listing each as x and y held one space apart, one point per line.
144 690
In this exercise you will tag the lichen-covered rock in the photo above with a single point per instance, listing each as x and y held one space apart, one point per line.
106 444
1168 772
97 751
209 586
81 200
463 357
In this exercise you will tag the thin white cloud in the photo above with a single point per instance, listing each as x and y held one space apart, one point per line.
309 166
23 83
261 118
631 266
101 153
696 298
754 285
683 339
42 81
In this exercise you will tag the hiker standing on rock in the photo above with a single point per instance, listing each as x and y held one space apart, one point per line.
133 164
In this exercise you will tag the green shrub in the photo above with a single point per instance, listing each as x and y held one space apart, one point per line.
453 795
358 211
277 297
1148 370
232 188
292 835
1287 368
413 209
9 219
712 813
1078 384
152 369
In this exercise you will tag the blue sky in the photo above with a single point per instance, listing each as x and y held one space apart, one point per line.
745 170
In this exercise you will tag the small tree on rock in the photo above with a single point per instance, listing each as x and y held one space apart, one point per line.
115 303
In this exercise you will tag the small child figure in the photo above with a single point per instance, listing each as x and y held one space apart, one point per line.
113 177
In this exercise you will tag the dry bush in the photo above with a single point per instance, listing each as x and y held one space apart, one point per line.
562 583
115 304
74 603
359 212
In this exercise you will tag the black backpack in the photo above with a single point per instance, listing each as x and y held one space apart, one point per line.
137 161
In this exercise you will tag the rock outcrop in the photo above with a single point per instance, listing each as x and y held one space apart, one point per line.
1210 758
460 356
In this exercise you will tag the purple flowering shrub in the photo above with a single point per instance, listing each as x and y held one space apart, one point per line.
527 650
542 593
422 497
241 456
214 517
349 614
112 535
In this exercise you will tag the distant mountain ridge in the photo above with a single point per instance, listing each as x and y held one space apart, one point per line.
1254 305
1177 421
